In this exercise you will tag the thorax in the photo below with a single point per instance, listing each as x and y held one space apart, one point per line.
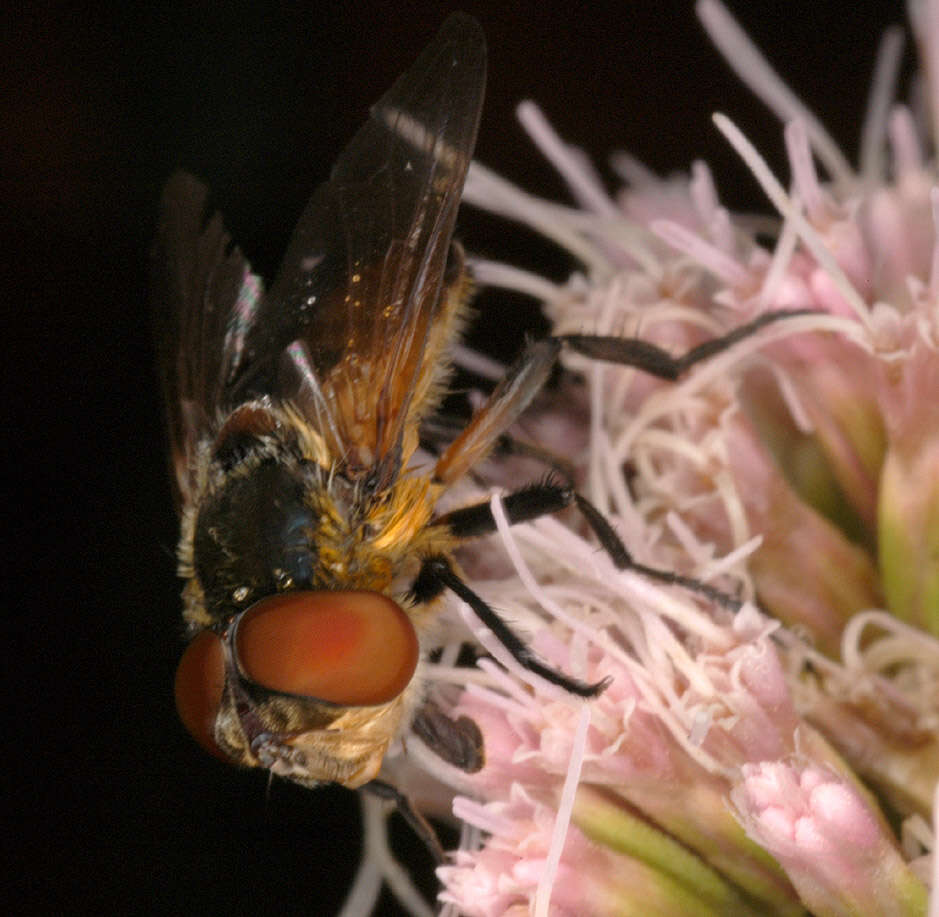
277 515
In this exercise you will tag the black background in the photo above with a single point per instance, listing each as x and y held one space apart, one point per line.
115 809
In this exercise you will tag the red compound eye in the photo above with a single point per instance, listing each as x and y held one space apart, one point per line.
200 680
353 649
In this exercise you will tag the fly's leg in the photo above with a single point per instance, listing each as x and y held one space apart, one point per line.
549 497
658 362
437 574
503 407
418 824
529 373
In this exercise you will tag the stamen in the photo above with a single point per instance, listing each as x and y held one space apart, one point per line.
934 262
377 865
717 262
562 821
496 274
782 255
749 64
487 190
924 18
904 142
571 163
775 192
475 362
883 90
804 176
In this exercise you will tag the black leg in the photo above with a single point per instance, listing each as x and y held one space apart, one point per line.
436 574
614 546
419 825
531 502
528 374
538 500
511 396
658 362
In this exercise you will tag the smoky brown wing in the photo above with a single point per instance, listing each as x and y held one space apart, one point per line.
344 328
204 297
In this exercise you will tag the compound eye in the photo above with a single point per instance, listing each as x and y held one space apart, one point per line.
353 649
200 680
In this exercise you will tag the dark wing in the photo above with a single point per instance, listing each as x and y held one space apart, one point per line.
204 296
343 331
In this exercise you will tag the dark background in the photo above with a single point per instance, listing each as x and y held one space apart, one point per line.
115 810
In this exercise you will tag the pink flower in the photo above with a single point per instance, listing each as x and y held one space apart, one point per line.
738 761
830 842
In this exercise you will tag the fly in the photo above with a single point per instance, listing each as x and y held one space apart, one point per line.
313 554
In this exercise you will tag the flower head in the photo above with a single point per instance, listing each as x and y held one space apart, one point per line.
739 761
